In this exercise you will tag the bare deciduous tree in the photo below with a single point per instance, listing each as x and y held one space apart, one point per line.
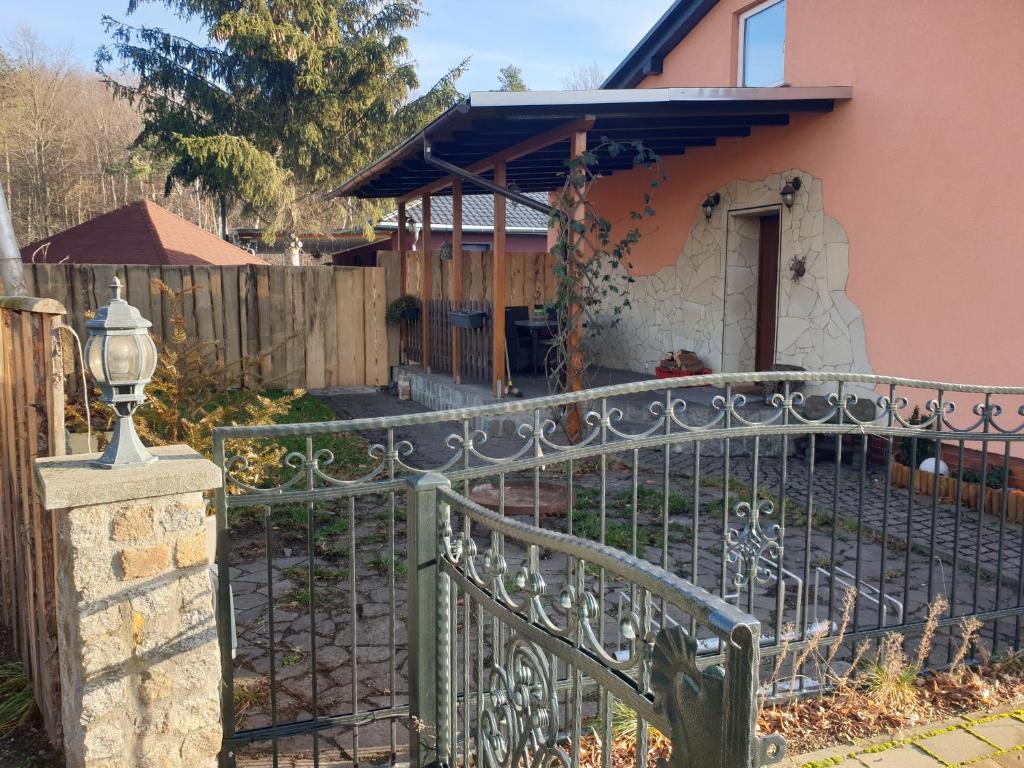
67 149
585 77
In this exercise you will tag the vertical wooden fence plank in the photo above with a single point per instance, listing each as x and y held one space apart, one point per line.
229 320
351 343
313 340
391 264
303 295
206 329
272 324
8 461
375 332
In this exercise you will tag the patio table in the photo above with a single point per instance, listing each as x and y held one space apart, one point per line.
536 327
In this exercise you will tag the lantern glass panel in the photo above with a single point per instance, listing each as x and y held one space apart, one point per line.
94 357
148 356
124 358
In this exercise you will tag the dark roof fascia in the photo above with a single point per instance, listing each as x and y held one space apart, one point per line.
647 57
411 146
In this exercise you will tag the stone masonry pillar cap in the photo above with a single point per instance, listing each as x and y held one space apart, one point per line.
70 481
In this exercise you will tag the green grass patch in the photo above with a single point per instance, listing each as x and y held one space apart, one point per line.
382 565
351 459
330 528
617 533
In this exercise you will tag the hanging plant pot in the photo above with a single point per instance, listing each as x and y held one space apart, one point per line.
467 318
403 308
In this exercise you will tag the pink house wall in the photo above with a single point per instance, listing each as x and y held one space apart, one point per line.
924 168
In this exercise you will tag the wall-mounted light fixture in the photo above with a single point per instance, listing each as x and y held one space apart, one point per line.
709 204
789 191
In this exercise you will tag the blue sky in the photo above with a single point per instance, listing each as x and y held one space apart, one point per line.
545 38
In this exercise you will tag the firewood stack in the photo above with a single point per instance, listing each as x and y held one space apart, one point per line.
684 361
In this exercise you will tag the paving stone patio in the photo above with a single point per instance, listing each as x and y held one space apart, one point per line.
981 740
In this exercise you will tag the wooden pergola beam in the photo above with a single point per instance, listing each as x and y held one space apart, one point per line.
403 246
523 148
455 274
426 281
574 356
498 292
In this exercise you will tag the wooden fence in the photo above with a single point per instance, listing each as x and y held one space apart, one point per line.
530 277
31 425
307 327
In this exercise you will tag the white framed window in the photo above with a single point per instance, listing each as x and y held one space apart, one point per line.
762 48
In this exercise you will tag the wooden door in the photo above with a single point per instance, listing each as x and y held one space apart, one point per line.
767 291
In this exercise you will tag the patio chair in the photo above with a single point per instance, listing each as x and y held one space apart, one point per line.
517 340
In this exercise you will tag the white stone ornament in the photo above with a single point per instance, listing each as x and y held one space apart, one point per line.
928 465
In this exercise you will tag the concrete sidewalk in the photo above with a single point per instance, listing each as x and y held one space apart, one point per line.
978 740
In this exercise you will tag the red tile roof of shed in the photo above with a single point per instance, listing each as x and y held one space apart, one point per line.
139 233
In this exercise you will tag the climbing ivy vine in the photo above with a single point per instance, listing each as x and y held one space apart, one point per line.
592 263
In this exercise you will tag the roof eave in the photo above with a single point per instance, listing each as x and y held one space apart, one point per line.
640 103
391 226
411 145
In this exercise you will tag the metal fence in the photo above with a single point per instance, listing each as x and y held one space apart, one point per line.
790 504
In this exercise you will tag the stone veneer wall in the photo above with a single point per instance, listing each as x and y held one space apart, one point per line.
684 306
139 657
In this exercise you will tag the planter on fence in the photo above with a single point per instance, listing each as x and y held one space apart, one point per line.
465 318
411 313
971 494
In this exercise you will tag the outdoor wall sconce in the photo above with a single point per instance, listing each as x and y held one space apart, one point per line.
789 191
121 356
709 204
798 266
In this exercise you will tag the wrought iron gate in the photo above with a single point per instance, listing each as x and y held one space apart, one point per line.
705 526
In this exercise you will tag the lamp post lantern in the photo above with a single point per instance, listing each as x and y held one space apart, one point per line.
121 357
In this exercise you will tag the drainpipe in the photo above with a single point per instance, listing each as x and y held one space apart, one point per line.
498 189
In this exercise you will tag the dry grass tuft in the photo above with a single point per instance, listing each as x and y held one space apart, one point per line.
886 692
17 702
251 695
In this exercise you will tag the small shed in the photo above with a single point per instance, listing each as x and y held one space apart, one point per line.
137 233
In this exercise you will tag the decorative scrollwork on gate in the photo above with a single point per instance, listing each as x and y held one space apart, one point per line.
753 550
693 701
520 717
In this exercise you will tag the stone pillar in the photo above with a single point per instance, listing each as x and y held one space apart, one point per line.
137 637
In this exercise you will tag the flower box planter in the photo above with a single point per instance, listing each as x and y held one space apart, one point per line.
971 494
469 319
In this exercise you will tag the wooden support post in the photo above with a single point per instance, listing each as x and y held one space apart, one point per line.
456 271
403 245
574 357
426 280
499 287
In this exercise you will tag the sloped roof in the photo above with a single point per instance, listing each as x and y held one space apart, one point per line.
477 215
647 56
491 124
138 233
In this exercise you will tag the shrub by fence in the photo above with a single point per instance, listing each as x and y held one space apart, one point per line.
307 327
31 425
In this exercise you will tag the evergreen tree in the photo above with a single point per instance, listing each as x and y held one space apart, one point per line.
284 98
510 78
